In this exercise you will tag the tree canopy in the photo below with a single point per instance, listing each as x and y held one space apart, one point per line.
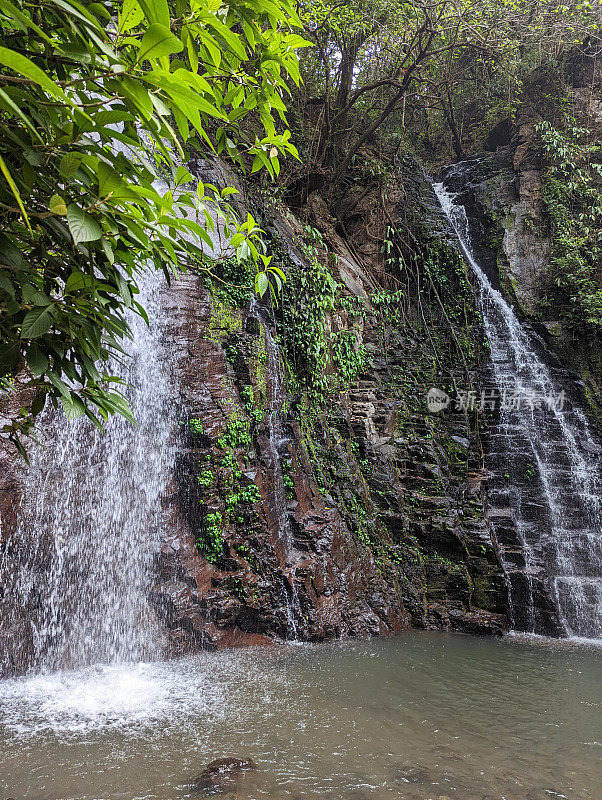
103 103
416 67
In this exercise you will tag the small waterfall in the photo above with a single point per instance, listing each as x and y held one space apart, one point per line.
80 566
552 550
277 438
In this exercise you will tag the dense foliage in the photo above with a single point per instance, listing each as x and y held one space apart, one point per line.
100 106
103 103
573 201
424 73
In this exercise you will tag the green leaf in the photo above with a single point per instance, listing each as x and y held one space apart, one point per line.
33 296
12 11
8 103
77 281
108 250
37 322
13 187
70 163
11 255
278 272
138 95
36 360
58 384
111 182
6 285
182 175
23 66
57 205
72 406
93 165
156 11
232 40
261 283
158 41
130 15
83 227
99 10
9 356
38 403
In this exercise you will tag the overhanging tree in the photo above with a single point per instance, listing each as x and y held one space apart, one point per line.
97 102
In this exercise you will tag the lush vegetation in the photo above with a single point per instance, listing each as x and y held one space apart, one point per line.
573 202
101 104
426 73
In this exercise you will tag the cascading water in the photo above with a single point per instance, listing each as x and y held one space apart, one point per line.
555 547
79 567
275 401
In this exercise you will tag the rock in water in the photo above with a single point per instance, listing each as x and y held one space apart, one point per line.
226 775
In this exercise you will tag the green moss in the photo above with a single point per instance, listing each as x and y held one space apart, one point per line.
236 434
245 552
348 356
573 205
353 305
195 426
233 285
309 296
206 478
225 320
242 496
287 478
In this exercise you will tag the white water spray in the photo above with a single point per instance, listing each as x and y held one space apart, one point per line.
562 448
79 567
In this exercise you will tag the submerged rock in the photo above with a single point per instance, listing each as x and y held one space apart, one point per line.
226 775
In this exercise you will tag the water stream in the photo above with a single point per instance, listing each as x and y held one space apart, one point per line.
278 439
554 497
80 565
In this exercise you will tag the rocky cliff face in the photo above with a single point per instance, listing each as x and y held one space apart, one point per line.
316 497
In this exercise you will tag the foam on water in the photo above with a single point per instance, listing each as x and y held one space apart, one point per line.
136 697
94 698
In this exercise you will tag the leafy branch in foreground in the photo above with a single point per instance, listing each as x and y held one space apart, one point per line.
100 105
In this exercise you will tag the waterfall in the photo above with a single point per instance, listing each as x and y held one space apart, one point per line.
552 549
277 439
79 568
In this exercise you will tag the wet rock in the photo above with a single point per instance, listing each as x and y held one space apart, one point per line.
226 775
370 490
478 622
